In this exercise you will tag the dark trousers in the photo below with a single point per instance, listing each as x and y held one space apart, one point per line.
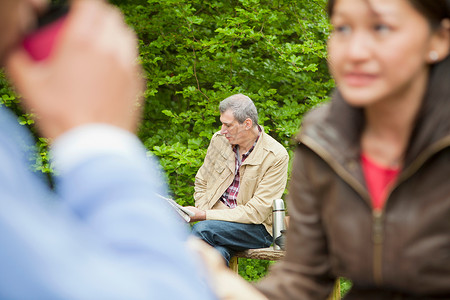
229 237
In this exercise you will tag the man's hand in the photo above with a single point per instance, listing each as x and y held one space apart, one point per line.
200 215
92 75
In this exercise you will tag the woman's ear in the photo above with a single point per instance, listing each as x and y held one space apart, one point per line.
440 43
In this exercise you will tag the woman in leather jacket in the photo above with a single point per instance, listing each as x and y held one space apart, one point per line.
369 196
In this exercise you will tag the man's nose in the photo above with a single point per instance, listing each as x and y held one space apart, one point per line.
223 129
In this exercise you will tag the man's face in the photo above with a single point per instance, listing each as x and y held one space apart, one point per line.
232 129
16 18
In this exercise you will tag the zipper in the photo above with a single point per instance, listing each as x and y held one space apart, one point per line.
377 215
377 239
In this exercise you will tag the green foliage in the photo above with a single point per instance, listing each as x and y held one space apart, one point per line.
253 269
8 98
346 285
180 163
196 53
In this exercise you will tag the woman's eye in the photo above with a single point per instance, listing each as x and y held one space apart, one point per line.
342 29
383 28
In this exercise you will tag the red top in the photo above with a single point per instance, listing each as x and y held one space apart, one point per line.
378 180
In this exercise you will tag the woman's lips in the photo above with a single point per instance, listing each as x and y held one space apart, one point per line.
359 79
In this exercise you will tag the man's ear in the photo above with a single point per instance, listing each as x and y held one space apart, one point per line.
440 43
248 123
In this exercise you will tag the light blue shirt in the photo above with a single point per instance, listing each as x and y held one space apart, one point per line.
103 234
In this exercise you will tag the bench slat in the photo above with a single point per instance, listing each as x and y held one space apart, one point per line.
263 253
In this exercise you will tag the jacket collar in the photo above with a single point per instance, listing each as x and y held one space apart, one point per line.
333 131
256 157
258 154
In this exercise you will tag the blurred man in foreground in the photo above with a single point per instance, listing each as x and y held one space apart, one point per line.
104 234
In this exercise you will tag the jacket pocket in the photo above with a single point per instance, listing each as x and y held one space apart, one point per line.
218 168
250 173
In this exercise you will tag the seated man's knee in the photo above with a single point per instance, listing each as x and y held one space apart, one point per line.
204 231
211 231
201 228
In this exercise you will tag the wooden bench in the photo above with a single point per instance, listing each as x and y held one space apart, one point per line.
274 255
263 253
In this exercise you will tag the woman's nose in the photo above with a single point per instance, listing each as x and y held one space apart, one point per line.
358 47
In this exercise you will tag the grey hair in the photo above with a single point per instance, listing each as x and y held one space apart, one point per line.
242 108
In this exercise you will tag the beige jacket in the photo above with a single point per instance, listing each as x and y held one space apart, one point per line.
263 177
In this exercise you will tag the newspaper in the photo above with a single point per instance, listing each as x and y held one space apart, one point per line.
185 213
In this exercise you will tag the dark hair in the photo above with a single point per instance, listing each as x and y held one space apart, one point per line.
434 10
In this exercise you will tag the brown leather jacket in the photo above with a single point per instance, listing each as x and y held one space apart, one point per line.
402 252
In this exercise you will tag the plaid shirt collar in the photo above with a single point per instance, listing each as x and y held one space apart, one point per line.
246 154
230 195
